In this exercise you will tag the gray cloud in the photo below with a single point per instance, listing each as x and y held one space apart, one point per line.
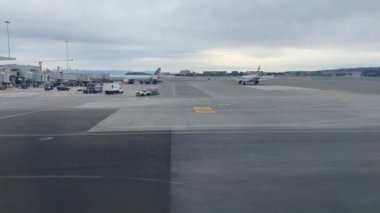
189 33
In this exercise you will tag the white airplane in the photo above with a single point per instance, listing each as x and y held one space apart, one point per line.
141 77
251 79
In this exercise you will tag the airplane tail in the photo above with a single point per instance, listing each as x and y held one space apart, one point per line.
157 73
259 71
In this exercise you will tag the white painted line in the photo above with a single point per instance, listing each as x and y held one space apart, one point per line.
46 139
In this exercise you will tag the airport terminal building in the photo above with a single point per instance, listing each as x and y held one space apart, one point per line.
28 75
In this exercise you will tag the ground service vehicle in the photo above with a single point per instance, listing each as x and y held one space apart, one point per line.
148 92
93 89
63 88
48 87
112 88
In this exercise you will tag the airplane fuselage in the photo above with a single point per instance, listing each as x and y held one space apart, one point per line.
140 77
252 79
131 77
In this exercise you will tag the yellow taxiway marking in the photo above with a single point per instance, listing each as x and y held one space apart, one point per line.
203 110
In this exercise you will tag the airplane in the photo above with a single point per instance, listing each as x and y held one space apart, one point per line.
141 77
251 79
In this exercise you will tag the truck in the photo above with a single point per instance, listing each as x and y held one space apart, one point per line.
112 88
93 89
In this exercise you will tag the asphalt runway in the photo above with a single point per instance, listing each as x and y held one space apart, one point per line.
85 173
213 171
276 171
274 148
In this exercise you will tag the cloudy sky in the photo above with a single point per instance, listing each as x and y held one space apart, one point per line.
194 34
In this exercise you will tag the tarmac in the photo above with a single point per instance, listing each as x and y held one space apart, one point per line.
274 104
286 145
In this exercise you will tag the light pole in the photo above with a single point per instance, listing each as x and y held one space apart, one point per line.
67 55
9 49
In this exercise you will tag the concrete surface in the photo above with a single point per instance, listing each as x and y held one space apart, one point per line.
236 107
288 145
50 121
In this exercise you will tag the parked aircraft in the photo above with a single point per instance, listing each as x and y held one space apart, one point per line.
140 77
251 79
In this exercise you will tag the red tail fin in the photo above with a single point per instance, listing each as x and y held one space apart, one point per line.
158 72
